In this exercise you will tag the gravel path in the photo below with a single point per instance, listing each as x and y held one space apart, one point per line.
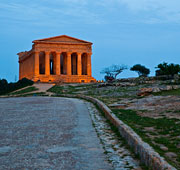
48 133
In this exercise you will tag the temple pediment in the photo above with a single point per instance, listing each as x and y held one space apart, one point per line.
63 39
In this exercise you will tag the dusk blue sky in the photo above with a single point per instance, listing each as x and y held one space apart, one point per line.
126 32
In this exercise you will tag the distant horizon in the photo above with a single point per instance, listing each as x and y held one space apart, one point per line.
122 31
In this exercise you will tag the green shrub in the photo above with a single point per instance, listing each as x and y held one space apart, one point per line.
6 87
167 69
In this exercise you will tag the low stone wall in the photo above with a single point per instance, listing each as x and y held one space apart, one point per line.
147 154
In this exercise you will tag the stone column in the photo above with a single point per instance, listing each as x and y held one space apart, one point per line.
68 63
79 64
58 72
36 64
47 63
89 64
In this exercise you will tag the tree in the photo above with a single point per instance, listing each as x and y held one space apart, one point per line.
113 71
167 69
141 70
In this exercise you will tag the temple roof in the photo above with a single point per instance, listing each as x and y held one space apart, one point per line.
62 39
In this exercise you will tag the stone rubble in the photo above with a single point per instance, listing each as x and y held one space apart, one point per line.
117 154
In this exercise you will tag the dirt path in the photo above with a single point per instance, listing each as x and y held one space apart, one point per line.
43 87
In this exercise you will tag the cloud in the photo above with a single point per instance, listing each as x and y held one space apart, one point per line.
65 11
162 10
139 5
144 11
86 12
79 2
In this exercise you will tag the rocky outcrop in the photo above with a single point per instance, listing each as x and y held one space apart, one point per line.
150 79
148 91
124 84
145 91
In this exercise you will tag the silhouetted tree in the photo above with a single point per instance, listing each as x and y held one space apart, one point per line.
141 70
113 71
167 69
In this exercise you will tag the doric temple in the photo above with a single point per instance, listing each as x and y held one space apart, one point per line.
57 59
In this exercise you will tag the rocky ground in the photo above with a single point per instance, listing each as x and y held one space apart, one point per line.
152 106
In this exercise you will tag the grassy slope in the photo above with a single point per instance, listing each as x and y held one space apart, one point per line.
165 132
26 90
